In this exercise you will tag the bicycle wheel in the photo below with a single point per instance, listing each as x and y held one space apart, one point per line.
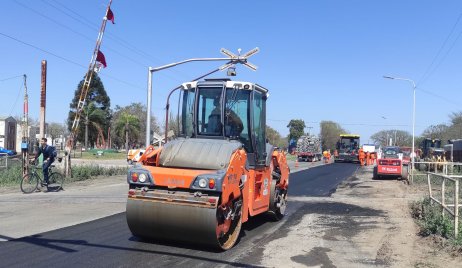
29 183
55 182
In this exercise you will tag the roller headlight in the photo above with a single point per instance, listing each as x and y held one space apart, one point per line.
143 178
202 183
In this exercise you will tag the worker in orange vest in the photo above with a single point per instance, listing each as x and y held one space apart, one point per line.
368 158
361 156
373 157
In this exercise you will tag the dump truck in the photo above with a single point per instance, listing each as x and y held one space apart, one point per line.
308 148
347 148
215 175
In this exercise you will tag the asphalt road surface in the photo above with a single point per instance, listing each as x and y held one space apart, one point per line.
107 242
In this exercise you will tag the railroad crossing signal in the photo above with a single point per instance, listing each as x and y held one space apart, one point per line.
239 59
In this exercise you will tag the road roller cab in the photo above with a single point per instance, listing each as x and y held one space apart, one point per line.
219 171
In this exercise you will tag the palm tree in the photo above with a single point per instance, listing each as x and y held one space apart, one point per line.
127 123
92 115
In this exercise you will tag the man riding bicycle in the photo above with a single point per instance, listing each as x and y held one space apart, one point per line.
49 154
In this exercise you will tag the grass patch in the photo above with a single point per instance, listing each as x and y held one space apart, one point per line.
12 175
432 222
80 173
291 157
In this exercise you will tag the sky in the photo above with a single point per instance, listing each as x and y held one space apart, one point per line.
320 60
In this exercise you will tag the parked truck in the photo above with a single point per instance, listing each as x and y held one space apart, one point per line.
309 148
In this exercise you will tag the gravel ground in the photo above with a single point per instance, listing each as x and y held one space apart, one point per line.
364 223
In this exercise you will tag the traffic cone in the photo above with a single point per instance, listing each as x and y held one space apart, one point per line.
296 162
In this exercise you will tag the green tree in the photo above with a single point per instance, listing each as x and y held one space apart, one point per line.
296 128
138 110
98 96
275 138
129 125
93 117
330 134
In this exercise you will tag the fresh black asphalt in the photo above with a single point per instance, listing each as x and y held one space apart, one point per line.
107 242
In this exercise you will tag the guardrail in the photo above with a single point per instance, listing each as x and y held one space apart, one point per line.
3 160
448 195
421 168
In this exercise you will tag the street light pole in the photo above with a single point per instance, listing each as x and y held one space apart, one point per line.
232 60
413 114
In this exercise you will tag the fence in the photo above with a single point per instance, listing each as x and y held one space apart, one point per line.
4 160
447 196
421 168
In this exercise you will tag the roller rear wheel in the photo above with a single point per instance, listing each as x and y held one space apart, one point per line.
278 201
229 223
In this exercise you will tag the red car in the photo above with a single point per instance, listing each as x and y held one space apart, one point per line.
390 164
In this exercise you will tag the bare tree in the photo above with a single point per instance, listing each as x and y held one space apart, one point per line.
55 130
398 137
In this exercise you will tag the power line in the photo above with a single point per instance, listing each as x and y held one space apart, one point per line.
113 37
82 35
70 61
440 49
41 49
16 101
458 104
9 78
54 21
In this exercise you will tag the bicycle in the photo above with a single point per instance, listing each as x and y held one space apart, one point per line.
30 181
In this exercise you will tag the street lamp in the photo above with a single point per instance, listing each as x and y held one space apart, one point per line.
232 61
413 114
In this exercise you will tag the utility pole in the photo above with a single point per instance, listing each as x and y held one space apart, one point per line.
43 98
309 130
25 132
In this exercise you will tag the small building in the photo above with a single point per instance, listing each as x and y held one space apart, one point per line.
8 133
30 137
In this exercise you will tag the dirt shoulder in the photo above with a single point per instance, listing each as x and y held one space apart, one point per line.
364 223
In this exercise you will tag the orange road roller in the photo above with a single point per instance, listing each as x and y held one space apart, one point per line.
216 173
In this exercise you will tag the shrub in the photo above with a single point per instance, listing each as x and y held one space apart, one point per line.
11 175
80 173
431 220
